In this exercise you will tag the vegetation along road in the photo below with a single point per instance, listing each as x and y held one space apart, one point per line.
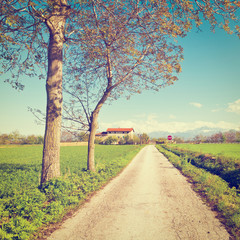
150 199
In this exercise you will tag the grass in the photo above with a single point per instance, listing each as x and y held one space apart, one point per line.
25 208
226 165
228 150
21 154
212 188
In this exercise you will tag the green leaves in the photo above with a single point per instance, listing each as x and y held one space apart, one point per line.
18 228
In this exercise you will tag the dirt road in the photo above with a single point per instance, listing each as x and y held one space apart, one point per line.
149 200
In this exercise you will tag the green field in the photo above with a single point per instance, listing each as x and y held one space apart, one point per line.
24 207
220 159
228 150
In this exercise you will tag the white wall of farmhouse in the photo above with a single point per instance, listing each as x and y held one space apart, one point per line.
121 134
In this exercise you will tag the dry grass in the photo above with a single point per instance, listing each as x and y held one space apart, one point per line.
74 144
63 144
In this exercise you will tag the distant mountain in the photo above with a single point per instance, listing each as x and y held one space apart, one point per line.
205 131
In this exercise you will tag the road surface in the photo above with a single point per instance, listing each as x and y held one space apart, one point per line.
149 200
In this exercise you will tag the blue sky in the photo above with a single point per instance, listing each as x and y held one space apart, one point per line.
207 94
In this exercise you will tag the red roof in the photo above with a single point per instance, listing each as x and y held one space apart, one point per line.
120 129
101 134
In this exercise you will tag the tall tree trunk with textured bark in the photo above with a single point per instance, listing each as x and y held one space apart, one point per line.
51 148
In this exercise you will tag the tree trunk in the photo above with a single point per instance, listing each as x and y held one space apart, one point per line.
93 130
91 144
51 148
95 113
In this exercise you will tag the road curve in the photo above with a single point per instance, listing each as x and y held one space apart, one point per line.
149 200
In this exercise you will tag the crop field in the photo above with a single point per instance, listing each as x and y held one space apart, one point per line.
25 207
228 150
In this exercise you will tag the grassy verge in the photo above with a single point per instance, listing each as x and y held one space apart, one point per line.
25 208
226 166
213 189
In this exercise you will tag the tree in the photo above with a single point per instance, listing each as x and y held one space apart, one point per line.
24 25
40 140
217 138
161 140
126 138
238 136
129 46
223 138
31 139
178 140
136 139
66 136
55 22
144 138
230 136
4 139
33 33
111 140
83 136
199 138
123 52
15 137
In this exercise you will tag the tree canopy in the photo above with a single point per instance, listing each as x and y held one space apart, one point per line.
24 33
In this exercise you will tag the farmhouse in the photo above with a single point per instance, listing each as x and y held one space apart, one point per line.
120 132
117 132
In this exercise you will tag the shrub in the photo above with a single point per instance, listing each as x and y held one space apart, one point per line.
111 140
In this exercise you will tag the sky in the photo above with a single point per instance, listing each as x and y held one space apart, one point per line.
207 94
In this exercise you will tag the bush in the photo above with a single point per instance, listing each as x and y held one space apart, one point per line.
17 228
111 140
98 141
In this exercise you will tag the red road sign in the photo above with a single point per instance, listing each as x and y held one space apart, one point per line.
169 137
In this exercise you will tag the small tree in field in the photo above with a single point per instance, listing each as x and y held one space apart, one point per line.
129 46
